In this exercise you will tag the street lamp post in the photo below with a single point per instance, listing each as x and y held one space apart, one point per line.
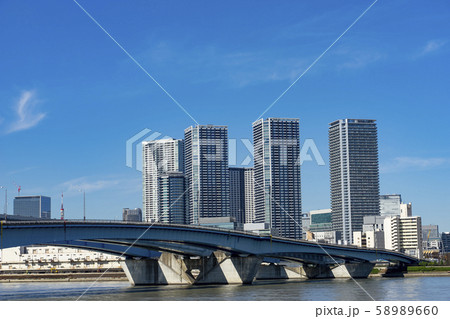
84 204
6 200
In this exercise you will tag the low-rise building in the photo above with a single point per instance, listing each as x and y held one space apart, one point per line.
220 222
33 206
390 205
369 239
306 223
132 215
404 234
373 223
320 220
257 228
48 258
327 237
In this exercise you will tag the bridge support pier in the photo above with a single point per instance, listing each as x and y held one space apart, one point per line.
347 270
169 269
353 270
317 271
395 270
274 271
220 268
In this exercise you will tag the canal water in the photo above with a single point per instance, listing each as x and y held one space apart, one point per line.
381 289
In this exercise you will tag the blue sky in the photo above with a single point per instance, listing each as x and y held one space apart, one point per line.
70 97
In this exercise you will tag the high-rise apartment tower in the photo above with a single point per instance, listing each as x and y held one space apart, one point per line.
159 158
277 176
206 172
355 193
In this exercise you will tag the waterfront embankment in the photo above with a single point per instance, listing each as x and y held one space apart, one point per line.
57 277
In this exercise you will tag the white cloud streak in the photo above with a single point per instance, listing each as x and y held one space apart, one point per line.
24 109
431 46
82 183
399 164
358 60
90 184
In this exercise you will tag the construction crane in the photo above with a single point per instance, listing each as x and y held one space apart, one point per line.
62 206
18 188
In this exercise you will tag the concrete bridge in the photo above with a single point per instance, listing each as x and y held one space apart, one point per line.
185 254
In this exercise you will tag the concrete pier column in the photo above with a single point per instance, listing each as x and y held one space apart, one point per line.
169 269
274 271
395 270
220 268
353 270
316 271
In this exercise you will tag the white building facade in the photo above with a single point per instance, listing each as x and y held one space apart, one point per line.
404 234
48 258
249 194
159 157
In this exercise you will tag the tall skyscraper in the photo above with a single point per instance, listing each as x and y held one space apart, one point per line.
249 194
206 172
159 157
445 237
237 194
355 193
33 206
277 175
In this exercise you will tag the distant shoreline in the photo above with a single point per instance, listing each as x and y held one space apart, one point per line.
416 274
120 276
63 277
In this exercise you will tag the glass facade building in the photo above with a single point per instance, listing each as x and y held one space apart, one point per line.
206 172
390 205
354 174
171 198
237 194
320 220
33 206
445 237
132 215
277 176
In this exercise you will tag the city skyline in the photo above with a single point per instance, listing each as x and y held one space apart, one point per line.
64 125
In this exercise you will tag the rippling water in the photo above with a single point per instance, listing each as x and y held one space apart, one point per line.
412 288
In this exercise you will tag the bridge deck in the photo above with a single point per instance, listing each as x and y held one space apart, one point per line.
145 238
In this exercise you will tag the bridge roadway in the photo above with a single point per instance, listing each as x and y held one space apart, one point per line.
186 254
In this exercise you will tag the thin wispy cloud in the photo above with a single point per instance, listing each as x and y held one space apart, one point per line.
26 115
431 46
359 60
88 185
20 171
124 184
235 68
399 164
